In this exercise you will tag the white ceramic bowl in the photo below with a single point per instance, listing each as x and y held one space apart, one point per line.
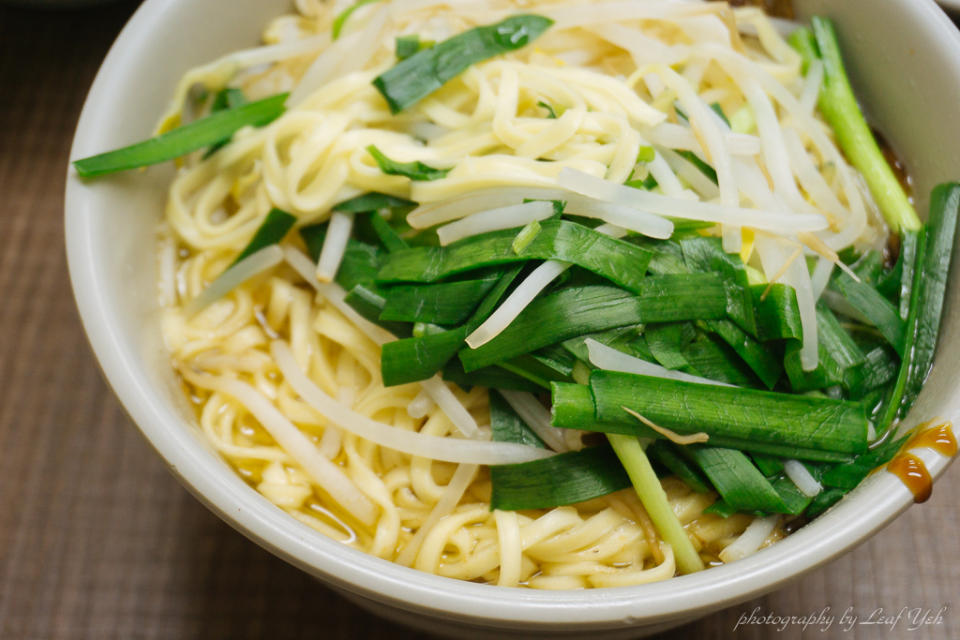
904 56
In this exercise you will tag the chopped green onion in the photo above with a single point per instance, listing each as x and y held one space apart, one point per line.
874 307
507 426
344 15
667 343
406 46
823 501
720 508
551 114
869 267
667 255
715 361
490 377
848 475
840 109
574 407
619 261
934 269
794 500
759 357
413 359
418 358
228 98
707 254
204 132
717 109
664 453
526 236
413 79
368 301
573 311
566 478
777 312
908 263
447 303
543 367
523 370
421 329
747 414
646 153
625 339
388 236
415 170
933 258
411 44
654 500
360 260
647 184
271 231
738 482
879 367
374 201
702 166
769 466
839 361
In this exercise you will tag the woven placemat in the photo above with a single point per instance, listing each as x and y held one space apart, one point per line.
97 540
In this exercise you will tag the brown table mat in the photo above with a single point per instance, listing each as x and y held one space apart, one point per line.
97 540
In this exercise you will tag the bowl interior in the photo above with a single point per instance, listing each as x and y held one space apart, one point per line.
904 57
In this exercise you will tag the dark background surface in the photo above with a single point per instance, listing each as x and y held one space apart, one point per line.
97 540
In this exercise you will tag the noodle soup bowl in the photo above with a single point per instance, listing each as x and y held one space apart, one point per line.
904 59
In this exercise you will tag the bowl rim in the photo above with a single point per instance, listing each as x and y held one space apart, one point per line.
871 506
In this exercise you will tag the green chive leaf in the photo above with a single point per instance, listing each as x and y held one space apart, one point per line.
616 260
747 414
204 132
344 15
415 170
272 230
573 311
409 45
446 303
413 79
